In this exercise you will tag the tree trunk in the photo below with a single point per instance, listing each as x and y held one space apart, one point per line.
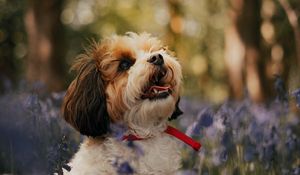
234 51
293 19
45 61
243 46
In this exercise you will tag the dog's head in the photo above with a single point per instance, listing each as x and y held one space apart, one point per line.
132 79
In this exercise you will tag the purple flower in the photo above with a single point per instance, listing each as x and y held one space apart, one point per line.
279 86
223 156
269 152
117 130
296 94
206 119
291 143
137 149
255 133
32 103
249 153
125 168
296 171
227 140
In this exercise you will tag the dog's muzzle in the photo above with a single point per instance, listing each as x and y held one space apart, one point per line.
157 88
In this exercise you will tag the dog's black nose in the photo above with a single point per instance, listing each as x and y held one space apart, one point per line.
156 59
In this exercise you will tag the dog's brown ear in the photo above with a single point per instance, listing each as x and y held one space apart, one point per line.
177 112
84 105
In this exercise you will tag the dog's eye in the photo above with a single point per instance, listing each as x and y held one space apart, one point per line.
125 64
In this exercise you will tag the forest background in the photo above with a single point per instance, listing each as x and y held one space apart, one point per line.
231 50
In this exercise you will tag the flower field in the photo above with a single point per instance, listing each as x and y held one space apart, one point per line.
236 137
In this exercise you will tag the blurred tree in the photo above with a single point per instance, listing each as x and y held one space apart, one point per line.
243 51
46 48
12 42
293 20
289 39
258 40
175 25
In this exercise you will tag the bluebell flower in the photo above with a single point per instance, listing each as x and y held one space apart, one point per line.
223 156
255 133
269 153
6 83
125 168
249 153
296 94
291 144
118 130
32 103
206 119
227 140
137 149
279 86
296 171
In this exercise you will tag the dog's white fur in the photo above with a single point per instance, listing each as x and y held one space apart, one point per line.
143 117
160 155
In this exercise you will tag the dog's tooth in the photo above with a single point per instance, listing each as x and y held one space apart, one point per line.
155 91
163 91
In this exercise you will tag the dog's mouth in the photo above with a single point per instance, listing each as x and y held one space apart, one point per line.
157 88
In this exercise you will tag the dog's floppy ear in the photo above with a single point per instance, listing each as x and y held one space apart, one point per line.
177 112
84 105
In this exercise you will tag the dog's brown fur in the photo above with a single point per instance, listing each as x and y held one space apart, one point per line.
102 94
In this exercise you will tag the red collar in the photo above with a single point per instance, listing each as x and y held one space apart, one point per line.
172 131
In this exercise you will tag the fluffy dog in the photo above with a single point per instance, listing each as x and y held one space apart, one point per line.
133 80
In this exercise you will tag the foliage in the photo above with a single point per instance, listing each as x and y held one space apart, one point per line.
237 137
12 42
245 138
195 32
34 140
194 29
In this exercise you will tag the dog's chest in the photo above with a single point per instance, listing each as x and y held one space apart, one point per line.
160 154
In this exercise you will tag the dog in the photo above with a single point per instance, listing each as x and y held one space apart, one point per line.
133 80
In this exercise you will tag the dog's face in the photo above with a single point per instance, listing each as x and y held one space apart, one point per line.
132 78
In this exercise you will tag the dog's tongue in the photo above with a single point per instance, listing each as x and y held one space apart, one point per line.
157 92
159 88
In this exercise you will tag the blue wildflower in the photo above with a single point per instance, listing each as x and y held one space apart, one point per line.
117 130
223 156
296 171
296 94
206 119
138 149
269 152
32 103
255 133
125 168
249 153
291 144
282 95
227 140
